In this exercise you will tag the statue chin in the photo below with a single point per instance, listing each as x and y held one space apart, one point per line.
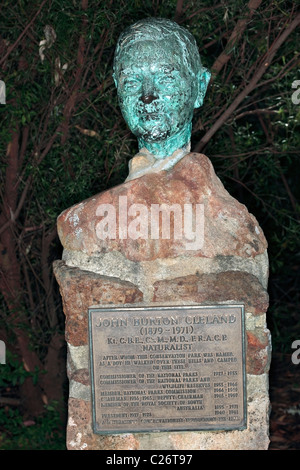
153 137
152 132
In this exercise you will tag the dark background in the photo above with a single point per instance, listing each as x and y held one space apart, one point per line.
63 139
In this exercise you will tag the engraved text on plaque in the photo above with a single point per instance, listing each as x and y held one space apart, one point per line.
167 368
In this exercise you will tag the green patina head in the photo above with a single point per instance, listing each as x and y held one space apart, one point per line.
160 80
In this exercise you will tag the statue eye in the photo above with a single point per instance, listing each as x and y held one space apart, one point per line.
131 84
166 80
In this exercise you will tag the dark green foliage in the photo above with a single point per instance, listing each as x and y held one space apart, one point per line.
17 432
45 433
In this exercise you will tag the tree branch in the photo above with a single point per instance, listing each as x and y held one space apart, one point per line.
265 63
235 37
11 48
178 12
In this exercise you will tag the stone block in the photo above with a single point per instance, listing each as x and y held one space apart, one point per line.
258 351
82 289
235 286
229 229
80 435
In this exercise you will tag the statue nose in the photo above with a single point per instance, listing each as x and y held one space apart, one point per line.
147 99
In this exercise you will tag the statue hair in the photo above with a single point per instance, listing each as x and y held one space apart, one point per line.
157 29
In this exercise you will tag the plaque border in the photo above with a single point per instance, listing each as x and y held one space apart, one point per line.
167 307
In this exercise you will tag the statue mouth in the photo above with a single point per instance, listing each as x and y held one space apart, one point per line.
151 116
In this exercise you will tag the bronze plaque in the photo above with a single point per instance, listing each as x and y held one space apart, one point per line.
167 368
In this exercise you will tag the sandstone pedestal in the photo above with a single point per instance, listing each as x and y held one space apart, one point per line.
226 263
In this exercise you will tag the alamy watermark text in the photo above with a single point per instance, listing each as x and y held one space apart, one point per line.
2 352
2 92
296 94
159 221
296 354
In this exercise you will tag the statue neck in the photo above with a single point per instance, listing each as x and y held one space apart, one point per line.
167 147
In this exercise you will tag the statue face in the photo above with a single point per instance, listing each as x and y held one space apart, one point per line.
157 93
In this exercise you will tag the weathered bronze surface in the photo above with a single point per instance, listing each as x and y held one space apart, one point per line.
160 81
168 368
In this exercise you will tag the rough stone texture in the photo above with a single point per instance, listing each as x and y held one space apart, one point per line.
82 376
258 351
146 273
78 357
82 289
80 435
237 286
191 181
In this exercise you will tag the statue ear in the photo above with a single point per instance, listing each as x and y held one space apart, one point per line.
203 78
115 80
